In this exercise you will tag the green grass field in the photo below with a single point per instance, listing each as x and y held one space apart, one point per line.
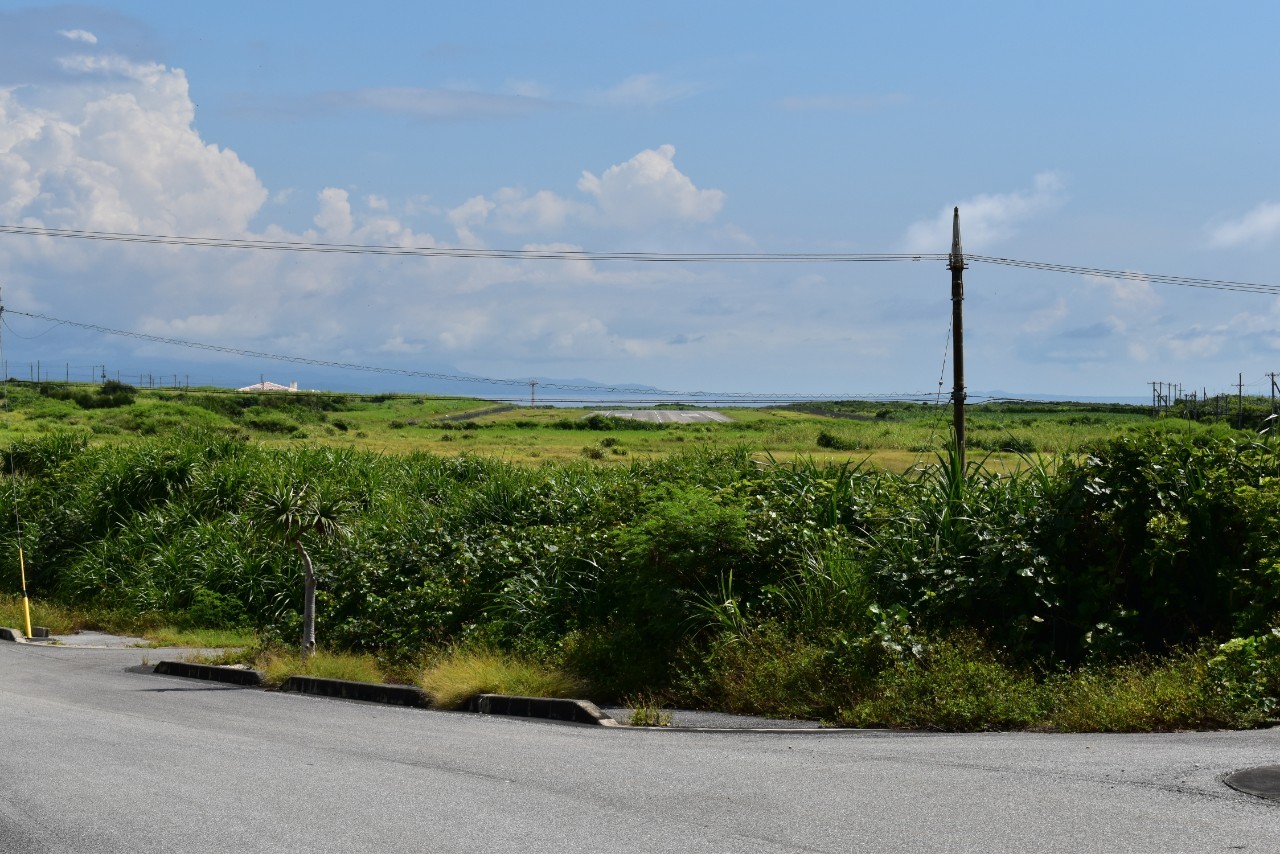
892 436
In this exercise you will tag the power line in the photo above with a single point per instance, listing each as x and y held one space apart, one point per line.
1131 275
632 256
466 252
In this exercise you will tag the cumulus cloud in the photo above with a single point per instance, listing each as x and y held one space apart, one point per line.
79 36
1258 226
334 216
645 191
649 189
125 157
987 219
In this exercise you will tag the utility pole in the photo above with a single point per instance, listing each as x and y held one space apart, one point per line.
1272 376
1240 402
956 265
533 390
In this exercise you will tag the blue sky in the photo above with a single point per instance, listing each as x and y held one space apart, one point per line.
1137 136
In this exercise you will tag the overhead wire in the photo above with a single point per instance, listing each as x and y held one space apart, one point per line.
573 255
468 252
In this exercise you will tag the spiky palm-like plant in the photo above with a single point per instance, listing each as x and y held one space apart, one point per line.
289 512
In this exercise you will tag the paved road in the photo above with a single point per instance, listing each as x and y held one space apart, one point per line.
95 758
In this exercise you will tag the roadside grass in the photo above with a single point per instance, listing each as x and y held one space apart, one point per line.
165 636
460 674
277 665
959 686
59 619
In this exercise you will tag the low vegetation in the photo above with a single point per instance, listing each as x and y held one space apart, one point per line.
460 674
1129 582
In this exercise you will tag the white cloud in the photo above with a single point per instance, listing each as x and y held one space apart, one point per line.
645 191
1047 318
1129 295
79 36
334 217
397 344
1258 226
987 219
641 90
376 202
123 156
1196 345
648 189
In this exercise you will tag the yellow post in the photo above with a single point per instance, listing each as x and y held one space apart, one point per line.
26 603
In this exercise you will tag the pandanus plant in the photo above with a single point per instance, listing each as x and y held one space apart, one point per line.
290 512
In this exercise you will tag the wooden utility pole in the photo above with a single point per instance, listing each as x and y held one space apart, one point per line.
956 265
1240 402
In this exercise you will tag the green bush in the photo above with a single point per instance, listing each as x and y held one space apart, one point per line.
952 685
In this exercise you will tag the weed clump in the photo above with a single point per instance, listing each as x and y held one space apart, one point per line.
277 665
461 674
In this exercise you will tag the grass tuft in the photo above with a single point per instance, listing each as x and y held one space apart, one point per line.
647 710
462 674
276 666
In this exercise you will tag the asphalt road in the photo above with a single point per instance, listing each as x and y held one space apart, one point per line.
95 758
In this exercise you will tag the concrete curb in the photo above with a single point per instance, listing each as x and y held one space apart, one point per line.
211 672
547 708
40 635
509 705
393 695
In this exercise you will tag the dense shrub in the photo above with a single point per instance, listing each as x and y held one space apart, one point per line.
716 577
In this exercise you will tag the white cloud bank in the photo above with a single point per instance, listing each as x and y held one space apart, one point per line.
986 219
124 156
113 146
643 193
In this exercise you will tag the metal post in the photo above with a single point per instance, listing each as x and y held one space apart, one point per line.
956 265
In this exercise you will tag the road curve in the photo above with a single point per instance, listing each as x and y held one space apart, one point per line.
96 758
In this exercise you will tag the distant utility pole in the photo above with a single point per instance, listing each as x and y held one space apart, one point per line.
1240 402
533 391
956 265
1272 376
